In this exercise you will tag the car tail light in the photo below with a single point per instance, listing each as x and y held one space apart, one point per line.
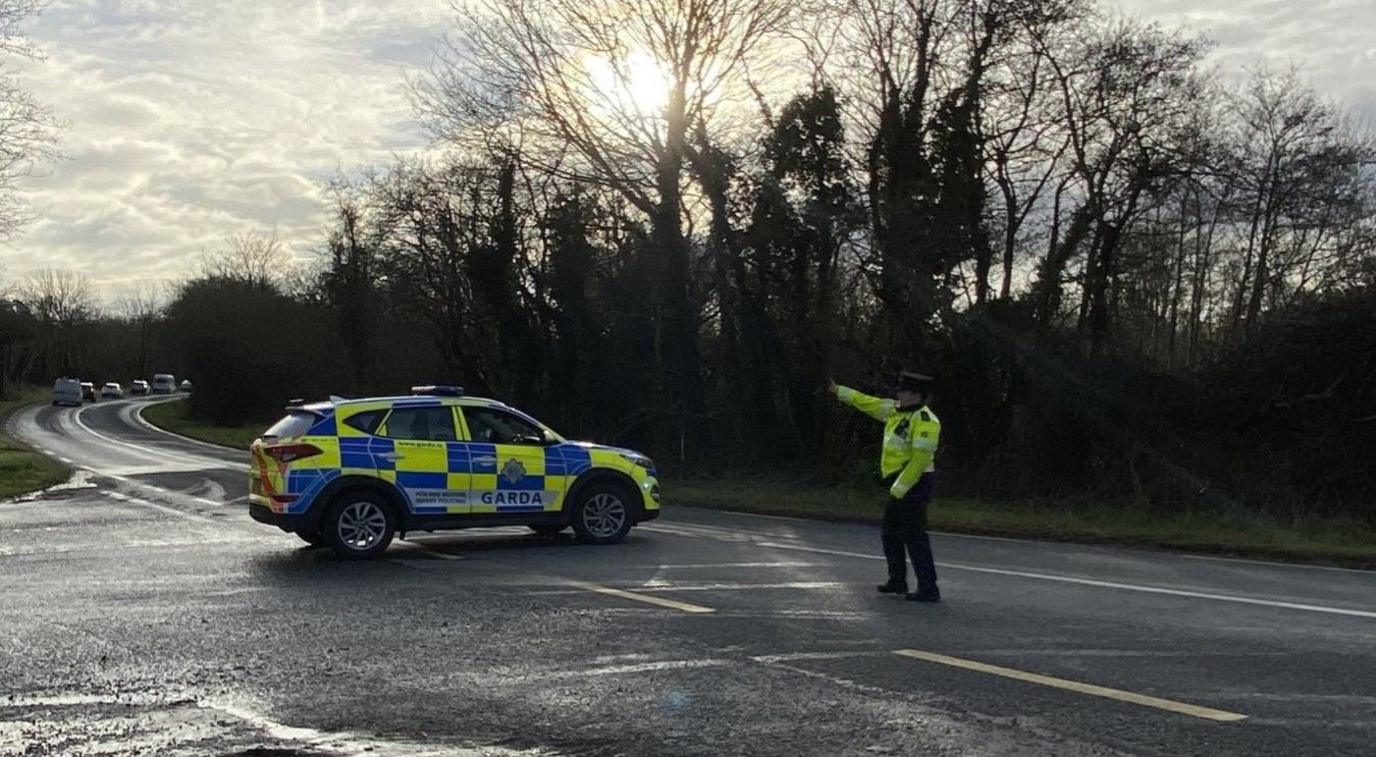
285 453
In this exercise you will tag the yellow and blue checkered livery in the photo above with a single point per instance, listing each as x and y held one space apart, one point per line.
438 462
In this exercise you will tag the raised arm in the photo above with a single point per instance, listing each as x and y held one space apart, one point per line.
874 407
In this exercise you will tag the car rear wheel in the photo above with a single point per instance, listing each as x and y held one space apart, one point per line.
360 525
602 514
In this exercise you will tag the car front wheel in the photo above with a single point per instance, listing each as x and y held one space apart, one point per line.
602 514
360 525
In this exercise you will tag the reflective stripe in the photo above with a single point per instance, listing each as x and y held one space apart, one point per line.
921 443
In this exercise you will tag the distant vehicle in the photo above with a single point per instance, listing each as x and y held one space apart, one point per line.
138 388
164 383
112 391
185 386
88 391
67 392
351 474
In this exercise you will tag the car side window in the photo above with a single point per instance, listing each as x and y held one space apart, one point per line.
435 424
493 426
366 421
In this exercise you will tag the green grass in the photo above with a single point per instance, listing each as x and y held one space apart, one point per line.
21 469
1253 535
173 417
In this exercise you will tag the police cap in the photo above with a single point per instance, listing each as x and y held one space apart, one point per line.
912 381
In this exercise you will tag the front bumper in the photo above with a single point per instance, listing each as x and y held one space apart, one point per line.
649 499
647 515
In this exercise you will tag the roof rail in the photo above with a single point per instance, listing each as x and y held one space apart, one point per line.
438 390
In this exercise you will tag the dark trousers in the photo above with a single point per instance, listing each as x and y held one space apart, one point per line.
905 528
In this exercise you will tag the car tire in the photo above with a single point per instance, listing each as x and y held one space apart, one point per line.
359 525
545 529
314 539
602 513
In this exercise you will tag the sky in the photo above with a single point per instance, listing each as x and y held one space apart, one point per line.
189 121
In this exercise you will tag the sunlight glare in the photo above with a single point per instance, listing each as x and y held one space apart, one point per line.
636 85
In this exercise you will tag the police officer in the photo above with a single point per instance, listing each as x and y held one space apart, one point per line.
911 432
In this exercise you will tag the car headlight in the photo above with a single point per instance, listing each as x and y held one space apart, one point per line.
635 458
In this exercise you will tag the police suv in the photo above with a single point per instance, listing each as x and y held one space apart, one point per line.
352 473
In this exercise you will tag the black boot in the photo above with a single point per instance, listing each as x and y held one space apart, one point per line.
892 588
929 594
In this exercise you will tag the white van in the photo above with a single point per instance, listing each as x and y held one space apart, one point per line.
164 383
67 392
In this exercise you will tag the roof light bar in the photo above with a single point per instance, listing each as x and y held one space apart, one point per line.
438 391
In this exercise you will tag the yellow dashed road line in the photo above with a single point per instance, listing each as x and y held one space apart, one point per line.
1193 710
647 599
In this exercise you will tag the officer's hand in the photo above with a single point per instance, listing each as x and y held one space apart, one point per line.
831 385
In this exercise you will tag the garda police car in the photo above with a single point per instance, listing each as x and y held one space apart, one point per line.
353 473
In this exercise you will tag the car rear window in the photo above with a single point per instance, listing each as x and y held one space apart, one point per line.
294 423
365 421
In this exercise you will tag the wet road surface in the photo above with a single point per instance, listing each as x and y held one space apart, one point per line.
141 611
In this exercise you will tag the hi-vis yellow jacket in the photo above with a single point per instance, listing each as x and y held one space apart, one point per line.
910 438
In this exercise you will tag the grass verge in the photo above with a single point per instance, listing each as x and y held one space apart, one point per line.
1253 535
21 469
172 416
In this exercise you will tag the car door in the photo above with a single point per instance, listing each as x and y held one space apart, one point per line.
423 440
507 455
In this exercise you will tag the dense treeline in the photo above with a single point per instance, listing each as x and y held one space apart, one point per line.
668 222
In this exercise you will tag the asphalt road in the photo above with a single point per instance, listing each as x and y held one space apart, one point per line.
141 611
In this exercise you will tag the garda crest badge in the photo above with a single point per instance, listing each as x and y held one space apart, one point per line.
513 471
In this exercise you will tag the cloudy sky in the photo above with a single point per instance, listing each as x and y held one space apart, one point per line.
192 120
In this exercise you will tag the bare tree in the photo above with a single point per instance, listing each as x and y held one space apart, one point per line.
1130 97
61 301
27 127
142 308
257 259
1303 180
619 84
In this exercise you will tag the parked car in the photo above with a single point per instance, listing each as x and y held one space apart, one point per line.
352 473
88 391
185 386
138 388
112 391
66 392
164 383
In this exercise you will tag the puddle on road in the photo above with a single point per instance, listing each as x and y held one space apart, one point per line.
142 723
80 481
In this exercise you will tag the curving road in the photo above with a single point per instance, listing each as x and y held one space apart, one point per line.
144 613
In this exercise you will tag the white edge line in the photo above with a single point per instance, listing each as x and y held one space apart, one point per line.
138 413
1103 584
186 459
120 497
1044 542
